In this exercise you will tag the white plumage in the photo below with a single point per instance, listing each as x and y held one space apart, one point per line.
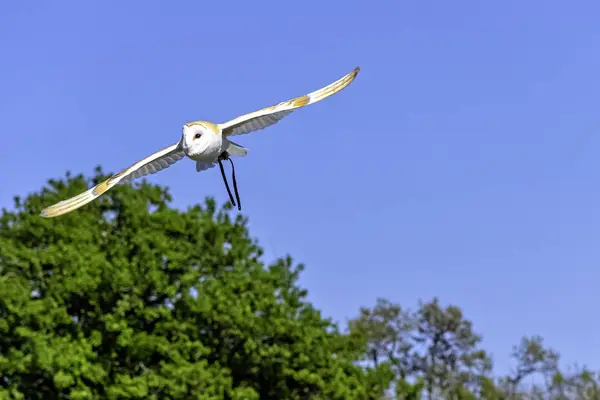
204 142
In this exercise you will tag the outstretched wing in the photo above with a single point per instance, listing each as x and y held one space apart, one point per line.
160 160
271 115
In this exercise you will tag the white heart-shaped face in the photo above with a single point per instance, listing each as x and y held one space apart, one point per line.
200 139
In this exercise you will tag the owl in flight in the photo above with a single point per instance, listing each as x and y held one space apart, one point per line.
206 143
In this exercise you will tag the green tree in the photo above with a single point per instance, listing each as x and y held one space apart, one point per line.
130 298
434 354
531 357
435 349
387 329
584 384
451 360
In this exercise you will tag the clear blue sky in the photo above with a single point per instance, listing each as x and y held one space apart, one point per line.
463 162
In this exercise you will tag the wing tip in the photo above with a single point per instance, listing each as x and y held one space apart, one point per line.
47 213
352 75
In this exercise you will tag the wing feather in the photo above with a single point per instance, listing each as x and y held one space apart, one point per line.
271 115
155 162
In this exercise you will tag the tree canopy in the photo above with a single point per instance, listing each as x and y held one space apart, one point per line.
436 349
130 298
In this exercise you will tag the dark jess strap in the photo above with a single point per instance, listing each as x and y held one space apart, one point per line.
225 156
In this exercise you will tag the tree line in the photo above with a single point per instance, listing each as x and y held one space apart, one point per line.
434 353
130 298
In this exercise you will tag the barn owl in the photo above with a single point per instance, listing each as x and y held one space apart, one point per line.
206 143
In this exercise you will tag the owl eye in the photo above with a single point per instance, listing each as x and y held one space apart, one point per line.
197 136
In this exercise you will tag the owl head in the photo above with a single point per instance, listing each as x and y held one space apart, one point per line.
201 137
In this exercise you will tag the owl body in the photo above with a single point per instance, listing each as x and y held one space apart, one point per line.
204 142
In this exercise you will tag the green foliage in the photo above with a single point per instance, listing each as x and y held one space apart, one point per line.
128 298
436 347
408 391
435 354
